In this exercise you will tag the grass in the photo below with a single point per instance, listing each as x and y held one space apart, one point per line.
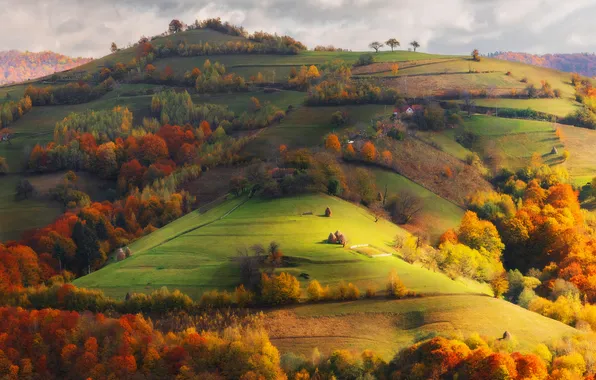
239 102
438 214
17 217
400 323
37 126
582 162
202 259
307 127
560 107
513 141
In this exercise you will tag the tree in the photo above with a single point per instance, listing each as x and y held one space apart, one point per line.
378 212
87 245
175 26
499 285
404 207
394 69
476 55
332 143
375 45
392 43
316 292
281 289
469 103
3 166
369 152
395 287
415 45
24 188
114 47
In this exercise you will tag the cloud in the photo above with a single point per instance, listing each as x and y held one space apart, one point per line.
87 27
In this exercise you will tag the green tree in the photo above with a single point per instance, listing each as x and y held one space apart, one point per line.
87 245
376 45
415 45
392 43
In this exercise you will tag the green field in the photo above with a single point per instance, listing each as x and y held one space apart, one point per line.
512 141
239 102
307 126
17 217
194 260
438 214
397 324
560 107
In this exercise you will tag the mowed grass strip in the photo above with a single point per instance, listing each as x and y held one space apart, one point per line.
205 258
560 107
400 323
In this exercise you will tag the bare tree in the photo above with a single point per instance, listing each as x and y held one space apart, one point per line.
375 45
113 47
392 43
469 103
378 212
249 267
415 45
405 207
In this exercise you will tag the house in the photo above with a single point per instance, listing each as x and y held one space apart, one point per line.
409 110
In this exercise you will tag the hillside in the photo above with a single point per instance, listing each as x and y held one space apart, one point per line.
16 66
197 252
581 63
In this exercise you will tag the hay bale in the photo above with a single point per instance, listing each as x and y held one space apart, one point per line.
121 255
332 239
328 212
506 335
127 252
554 151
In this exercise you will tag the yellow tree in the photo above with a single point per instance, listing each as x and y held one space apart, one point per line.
332 143
369 152
394 69
312 73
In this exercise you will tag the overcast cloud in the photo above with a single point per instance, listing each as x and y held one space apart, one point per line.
87 27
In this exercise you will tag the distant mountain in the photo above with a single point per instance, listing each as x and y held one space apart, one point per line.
582 63
16 66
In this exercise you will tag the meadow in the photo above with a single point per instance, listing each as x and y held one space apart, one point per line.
512 141
401 323
197 252
438 214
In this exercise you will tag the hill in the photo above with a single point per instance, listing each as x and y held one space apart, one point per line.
198 252
400 323
581 63
19 66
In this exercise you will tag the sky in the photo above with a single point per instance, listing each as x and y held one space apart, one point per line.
88 27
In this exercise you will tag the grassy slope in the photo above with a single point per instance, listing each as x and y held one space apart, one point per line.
559 107
19 216
438 214
400 323
582 161
201 259
514 140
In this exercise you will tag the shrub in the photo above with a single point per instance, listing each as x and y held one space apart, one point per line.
447 172
339 118
508 73
315 291
281 289
215 298
371 291
395 287
346 292
243 297
566 155
557 93
524 80
365 59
